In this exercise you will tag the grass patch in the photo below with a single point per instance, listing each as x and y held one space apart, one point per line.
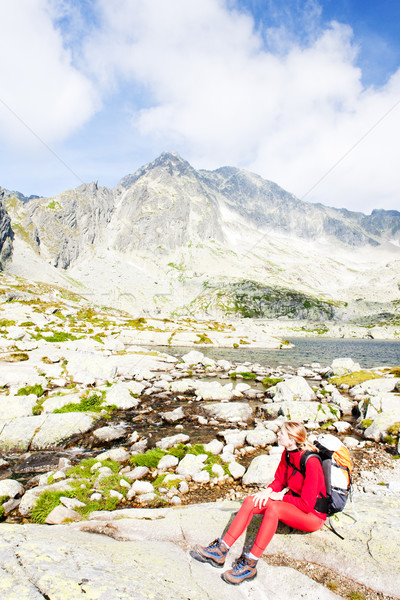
271 381
91 402
47 501
355 378
244 375
31 389
395 371
149 459
16 357
57 336
203 339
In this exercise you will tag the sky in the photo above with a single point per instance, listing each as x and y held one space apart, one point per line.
305 93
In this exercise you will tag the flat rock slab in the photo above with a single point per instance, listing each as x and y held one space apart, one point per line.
368 554
60 562
42 432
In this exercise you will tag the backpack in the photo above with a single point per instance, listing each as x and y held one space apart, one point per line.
336 466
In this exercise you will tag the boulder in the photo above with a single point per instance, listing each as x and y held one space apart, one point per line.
215 446
260 437
167 462
295 388
235 437
212 390
57 428
121 395
11 488
109 433
172 440
173 416
191 464
236 470
378 430
61 514
343 366
193 357
118 454
234 412
17 434
345 405
375 386
261 470
303 411
16 406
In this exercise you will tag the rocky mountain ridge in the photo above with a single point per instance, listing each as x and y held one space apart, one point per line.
168 234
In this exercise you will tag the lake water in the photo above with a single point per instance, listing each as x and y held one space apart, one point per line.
369 353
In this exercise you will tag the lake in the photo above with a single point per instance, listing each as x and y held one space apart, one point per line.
369 353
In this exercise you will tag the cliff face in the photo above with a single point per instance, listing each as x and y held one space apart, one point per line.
6 233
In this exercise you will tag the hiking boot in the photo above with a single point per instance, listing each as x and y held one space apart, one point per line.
215 553
242 568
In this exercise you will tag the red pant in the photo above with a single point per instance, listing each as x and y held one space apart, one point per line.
274 511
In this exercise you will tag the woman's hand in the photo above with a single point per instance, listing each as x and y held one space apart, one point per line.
278 495
261 498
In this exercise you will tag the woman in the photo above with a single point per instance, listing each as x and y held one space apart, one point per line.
290 498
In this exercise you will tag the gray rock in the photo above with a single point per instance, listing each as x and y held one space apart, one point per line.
109 433
295 388
61 514
260 437
233 412
121 396
343 366
261 470
173 440
11 488
173 416
191 464
303 411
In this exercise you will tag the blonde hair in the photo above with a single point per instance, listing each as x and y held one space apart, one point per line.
297 432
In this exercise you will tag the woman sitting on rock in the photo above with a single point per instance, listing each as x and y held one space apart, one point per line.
290 498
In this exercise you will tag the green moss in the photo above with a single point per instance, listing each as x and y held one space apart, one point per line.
6 323
245 375
202 339
149 459
57 336
366 423
91 402
16 357
355 378
31 389
271 381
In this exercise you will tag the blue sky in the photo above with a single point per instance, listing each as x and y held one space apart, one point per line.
304 93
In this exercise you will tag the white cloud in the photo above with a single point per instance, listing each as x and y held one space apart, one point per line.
218 96
39 83
195 76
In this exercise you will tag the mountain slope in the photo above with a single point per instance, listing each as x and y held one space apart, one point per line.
173 240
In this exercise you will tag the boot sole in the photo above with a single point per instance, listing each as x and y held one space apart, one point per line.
197 556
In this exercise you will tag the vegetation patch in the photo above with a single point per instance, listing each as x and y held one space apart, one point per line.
90 402
244 375
355 378
31 389
202 339
82 490
16 357
270 381
57 336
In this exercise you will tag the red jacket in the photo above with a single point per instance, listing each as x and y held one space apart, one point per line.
307 488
